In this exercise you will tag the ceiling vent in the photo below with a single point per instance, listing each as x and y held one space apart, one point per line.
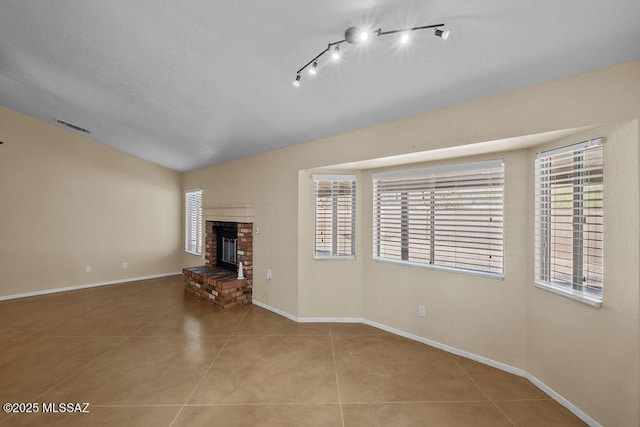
72 126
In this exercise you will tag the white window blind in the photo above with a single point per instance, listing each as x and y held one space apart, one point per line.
450 217
335 209
569 219
193 222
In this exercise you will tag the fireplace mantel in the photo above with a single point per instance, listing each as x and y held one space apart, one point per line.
230 213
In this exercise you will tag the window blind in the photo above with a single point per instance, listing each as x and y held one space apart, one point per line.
569 218
334 215
193 222
447 216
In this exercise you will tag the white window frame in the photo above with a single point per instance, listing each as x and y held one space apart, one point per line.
429 238
193 221
584 213
336 226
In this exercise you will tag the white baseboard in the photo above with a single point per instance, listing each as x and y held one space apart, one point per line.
330 320
275 310
481 359
564 402
448 348
89 285
308 319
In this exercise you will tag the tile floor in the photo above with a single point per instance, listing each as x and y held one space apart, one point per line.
143 353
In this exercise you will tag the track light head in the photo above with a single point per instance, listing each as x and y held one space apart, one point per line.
355 35
314 68
336 52
444 34
404 38
296 82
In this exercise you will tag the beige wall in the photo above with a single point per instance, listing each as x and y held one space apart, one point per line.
67 202
475 314
503 320
337 283
592 354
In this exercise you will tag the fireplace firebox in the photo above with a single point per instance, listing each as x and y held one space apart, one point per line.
227 246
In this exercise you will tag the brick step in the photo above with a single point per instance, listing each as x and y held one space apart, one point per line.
217 286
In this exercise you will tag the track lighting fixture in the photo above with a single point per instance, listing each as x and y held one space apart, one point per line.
314 68
444 34
355 35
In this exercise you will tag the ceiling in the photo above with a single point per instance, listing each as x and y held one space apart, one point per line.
197 82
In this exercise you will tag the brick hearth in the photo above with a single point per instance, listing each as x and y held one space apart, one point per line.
217 286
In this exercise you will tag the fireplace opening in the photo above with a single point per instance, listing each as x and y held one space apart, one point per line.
227 247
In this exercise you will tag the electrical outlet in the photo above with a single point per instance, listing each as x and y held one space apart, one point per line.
422 311
87 269
125 265
269 274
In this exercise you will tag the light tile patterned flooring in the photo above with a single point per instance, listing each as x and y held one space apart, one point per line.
143 353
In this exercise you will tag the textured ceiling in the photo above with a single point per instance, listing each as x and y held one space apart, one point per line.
187 84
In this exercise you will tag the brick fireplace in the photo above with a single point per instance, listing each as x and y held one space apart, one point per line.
217 281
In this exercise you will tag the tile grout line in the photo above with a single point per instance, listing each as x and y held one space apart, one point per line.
483 392
390 402
88 336
15 339
36 333
335 369
209 367
212 405
83 367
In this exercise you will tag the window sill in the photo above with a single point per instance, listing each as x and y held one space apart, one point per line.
569 293
194 253
335 257
484 274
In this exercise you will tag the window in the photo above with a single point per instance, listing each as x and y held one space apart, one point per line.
569 221
193 222
335 210
445 217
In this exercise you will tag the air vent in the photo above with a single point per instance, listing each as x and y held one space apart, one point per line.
72 126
